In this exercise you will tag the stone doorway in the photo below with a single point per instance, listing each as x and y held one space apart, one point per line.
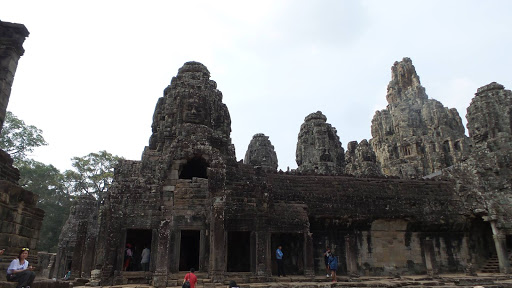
239 251
138 238
195 167
189 250
293 250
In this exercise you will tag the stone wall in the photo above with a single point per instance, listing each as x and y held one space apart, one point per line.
20 222
7 171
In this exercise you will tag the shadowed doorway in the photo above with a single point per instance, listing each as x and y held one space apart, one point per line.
189 251
239 252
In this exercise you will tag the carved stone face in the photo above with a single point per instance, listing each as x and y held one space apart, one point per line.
194 112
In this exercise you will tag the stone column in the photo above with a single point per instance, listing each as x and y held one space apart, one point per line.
88 257
430 257
174 250
217 241
162 258
351 255
12 37
202 251
79 249
263 254
500 241
309 265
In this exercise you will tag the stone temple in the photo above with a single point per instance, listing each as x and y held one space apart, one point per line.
420 197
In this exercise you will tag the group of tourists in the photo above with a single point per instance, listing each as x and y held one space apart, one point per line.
20 271
129 263
331 263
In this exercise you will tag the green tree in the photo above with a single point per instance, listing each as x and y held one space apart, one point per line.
47 182
92 173
18 138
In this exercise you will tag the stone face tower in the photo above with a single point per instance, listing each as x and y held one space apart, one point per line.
361 160
415 136
318 147
261 153
191 115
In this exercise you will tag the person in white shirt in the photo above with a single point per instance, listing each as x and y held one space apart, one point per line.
20 271
145 258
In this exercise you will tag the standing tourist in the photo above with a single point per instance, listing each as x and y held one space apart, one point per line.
145 258
280 265
327 253
128 255
20 271
333 265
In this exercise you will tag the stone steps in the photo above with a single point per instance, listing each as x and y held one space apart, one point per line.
491 266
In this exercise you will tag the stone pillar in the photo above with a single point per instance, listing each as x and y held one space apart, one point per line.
202 251
78 250
430 257
218 241
263 254
309 265
162 258
174 248
351 254
500 241
12 37
88 256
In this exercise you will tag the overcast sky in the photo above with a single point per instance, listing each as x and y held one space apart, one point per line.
93 70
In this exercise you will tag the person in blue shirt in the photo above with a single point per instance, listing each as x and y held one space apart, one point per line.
333 266
279 258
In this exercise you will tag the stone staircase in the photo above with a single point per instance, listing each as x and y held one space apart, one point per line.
491 266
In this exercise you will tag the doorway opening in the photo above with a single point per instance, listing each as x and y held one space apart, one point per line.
239 252
195 167
138 239
293 250
189 250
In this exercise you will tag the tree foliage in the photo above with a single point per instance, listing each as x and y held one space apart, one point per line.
47 182
92 173
18 139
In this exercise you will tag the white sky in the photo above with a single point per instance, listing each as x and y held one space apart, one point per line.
93 70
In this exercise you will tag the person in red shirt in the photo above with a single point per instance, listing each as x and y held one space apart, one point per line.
191 278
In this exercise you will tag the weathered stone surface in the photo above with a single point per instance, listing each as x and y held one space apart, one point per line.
319 148
12 36
415 136
361 160
485 179
77 239
20 223
261 153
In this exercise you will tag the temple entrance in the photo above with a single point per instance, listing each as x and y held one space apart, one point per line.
138 239
239 252
195 167
293 250
189 251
